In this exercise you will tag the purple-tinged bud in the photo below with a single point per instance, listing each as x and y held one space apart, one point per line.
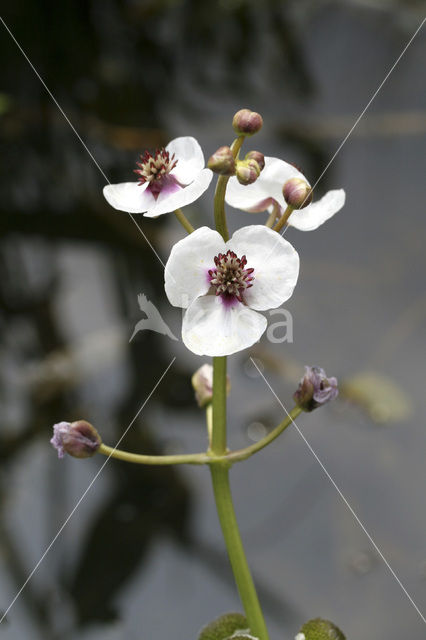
315 389
222 162
258 156
79 439
202 382
247 171
320 630
226 626
246 122
297 193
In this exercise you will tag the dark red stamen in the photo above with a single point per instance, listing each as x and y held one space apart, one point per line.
155 167
230 277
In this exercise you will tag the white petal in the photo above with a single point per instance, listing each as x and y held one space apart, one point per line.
189 156
186 272
129 196
212 328
268 185
275 263
312 216
170 201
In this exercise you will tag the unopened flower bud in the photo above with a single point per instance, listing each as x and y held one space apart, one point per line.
79 439
226 626
222 162
315 389
247 122
202 382
247 171
297 193
320 630
258 156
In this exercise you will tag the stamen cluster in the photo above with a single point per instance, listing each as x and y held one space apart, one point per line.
155 167
230 277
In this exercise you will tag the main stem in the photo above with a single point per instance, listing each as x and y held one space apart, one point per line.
219 196
225 507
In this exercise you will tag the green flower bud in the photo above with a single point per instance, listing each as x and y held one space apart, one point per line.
247 171
222 162
297 193
246 122
258 156
319 629
225 627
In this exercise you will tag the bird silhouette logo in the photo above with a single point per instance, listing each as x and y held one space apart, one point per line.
153 320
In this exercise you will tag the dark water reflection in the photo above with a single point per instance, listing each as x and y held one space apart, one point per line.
142 555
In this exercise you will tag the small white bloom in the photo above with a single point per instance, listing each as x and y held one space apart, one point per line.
267 192
222 286
168 180
300 636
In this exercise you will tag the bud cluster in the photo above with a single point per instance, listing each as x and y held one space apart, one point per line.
248 170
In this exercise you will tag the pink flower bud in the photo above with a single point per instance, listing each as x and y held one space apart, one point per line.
258 156
79 439
315 389
247 122
202 382
247 171
297 193
222 162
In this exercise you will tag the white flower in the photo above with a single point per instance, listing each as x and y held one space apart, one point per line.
168 180
266 192
222 286
300 636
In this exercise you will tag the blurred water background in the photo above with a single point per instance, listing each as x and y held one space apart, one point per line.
142 556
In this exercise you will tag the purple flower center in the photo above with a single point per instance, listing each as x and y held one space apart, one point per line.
155 169
230 276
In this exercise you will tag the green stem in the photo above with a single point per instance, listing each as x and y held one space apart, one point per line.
234 545
209 421
219 207
243 454
218 437
139 458
219 196
227 458
225 508
272 216
281 222
184 221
